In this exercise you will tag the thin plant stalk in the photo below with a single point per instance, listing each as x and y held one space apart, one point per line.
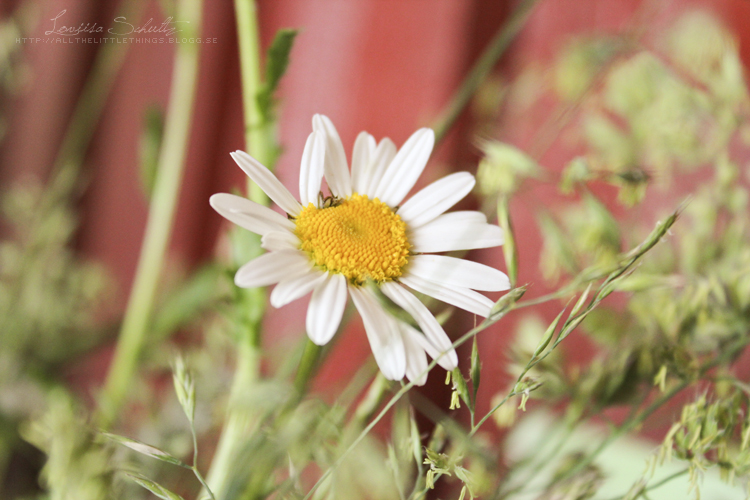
88 108
259 140
482 68
259 144
169 175
307 366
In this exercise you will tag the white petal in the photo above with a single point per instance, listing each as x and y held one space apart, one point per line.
336 169
416 361
279 240
406 167
311 168
271 268
383 333
250 215
362 157
463 298
426 321
326 308
384 155
267 182
450 272
292 288
430 349
455 231
463 217
436 198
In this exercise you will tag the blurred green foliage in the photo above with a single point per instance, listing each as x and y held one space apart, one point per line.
77 466
14 72
49 300
48 296
648 116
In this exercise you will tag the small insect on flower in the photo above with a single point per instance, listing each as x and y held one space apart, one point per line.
363 234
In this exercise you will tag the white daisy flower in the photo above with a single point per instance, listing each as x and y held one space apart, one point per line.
363 233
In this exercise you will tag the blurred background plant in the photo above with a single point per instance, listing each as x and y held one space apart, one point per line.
631 333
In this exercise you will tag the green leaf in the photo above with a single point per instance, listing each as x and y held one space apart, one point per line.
655 236
580 302
393 461
155 488
149 146
183 305
547 336
613 282
466 477
146 449
278 57
438 438
184 387
503 168
416 441
476 368
463 493
509 246
459 386
276 64
572 325
438 462
506 302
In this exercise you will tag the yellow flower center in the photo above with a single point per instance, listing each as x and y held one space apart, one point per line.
359 238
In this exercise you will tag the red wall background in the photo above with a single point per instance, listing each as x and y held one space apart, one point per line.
385 66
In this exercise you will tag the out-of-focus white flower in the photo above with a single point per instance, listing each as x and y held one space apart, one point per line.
362 234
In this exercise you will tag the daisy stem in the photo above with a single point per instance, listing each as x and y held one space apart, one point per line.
260 143
482 68
160 217
307 365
